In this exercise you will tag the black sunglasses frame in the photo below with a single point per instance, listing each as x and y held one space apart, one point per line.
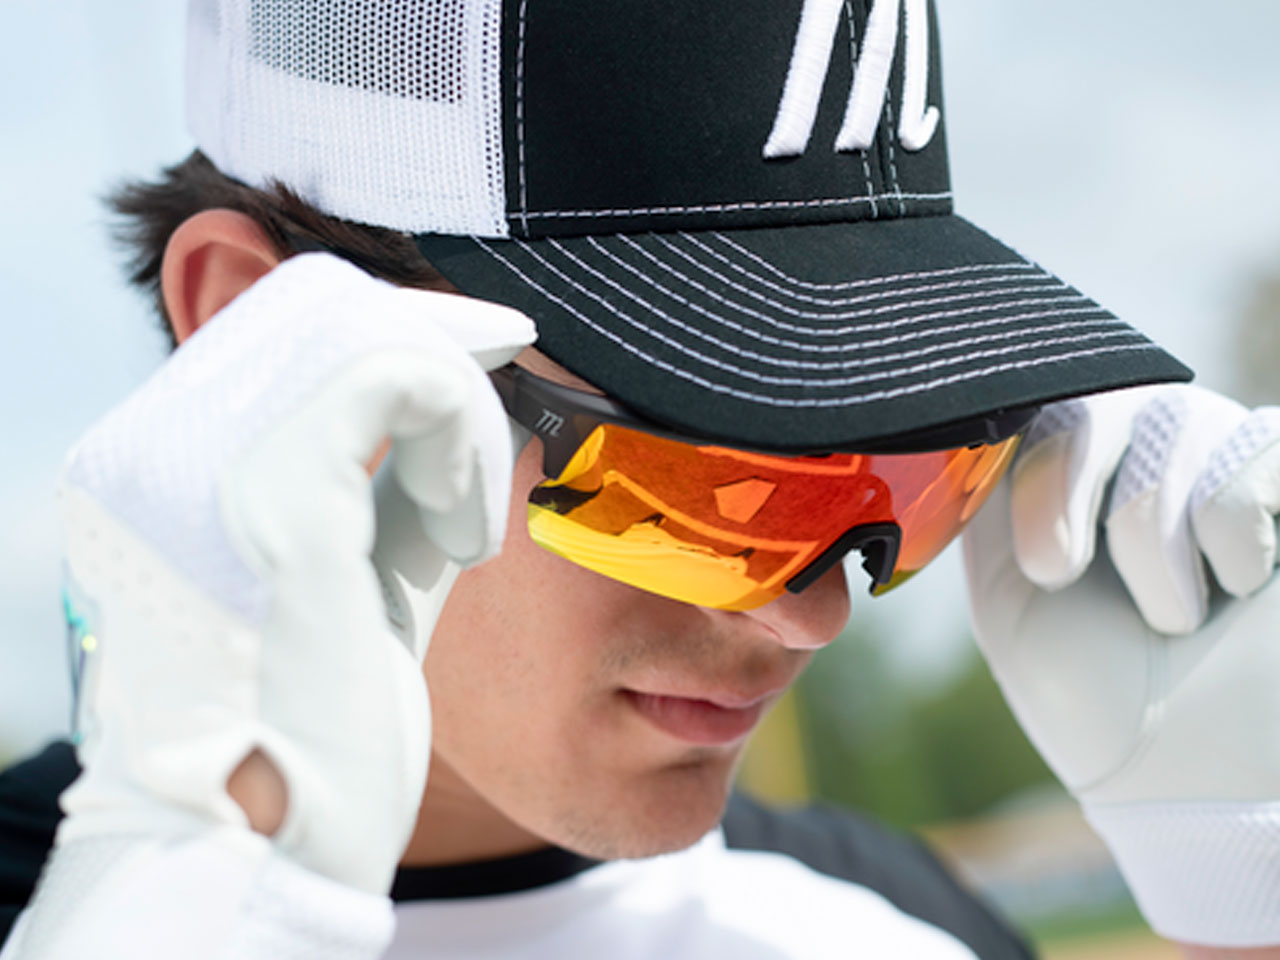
564 417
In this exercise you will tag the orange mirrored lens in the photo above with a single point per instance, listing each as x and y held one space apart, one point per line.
726 528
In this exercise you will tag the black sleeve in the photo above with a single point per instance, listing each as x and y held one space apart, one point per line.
900 868
29 815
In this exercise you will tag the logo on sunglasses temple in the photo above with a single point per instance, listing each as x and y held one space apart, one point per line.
549 423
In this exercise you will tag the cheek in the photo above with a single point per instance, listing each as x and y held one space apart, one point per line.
524 672
517 659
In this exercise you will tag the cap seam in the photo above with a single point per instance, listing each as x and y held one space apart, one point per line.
524 188
729 207
887 123
853 67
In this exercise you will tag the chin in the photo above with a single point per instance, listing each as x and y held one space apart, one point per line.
667 810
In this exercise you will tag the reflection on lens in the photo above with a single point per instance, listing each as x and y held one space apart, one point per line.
726 528
646 556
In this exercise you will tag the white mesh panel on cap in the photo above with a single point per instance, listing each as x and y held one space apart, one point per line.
385 112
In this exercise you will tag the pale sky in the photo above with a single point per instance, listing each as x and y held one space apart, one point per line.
1129 147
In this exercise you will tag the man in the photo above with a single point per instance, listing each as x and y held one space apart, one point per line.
762 341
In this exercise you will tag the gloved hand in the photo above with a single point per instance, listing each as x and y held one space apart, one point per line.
1154 696
219 527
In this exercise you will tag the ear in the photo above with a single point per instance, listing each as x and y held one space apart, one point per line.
211 259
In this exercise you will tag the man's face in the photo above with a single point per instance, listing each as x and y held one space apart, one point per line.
597 716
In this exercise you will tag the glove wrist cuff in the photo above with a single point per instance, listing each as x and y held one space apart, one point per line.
1202 873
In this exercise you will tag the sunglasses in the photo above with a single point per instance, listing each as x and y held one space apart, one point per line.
730 528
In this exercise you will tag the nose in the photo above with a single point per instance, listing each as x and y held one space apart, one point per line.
812 618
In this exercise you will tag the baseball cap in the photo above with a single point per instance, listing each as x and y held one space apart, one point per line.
734 216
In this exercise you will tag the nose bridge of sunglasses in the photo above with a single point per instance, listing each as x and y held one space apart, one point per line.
879 544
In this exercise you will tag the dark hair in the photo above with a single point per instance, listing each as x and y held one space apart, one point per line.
150 211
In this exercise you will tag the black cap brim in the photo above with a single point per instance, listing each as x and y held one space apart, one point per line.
812 337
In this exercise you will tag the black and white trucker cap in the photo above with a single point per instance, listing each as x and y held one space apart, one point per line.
734 216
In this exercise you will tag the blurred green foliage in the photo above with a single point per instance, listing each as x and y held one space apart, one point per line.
907 755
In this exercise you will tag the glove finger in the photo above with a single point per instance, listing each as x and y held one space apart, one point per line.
464 507
1234 503
1059 480
1148 527
493 334
998 591
300 492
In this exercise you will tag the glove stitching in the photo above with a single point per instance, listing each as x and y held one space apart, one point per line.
1155 701
1249 442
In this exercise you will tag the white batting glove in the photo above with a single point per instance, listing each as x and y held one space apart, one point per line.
219 528
1154 698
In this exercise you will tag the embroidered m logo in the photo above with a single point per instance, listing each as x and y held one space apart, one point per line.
549 423
811 57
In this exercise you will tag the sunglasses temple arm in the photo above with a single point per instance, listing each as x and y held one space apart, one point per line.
561 431
878 542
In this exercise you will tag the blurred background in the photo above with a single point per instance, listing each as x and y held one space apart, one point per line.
1130 147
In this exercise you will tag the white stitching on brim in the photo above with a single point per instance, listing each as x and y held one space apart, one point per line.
1015 271
1053 285
861 328
861 346
807 402
766 378
870 281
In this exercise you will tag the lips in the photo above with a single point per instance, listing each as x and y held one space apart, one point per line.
698 721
